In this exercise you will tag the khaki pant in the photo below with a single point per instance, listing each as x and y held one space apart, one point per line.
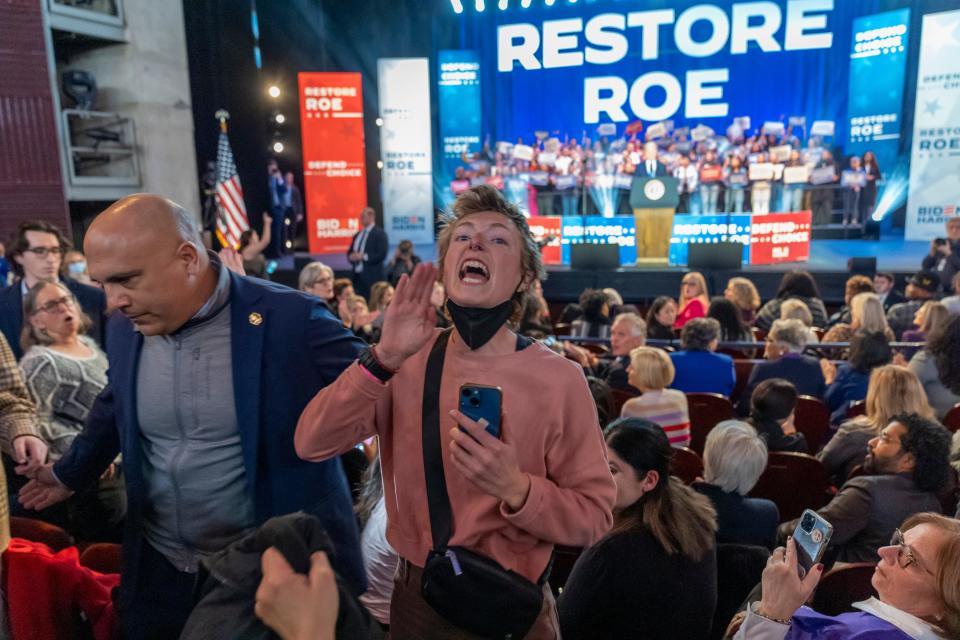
411 618
654 228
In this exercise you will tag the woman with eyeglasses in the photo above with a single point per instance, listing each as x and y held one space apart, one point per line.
65 371
917 580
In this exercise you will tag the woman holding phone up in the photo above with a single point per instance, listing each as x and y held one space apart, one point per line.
543 481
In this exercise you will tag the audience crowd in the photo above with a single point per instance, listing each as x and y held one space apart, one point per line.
641 442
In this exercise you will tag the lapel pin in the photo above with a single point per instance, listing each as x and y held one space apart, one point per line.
255 319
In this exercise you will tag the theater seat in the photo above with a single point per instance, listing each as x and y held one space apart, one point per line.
812 419
563 560
743 368
706 410
794 481
858 408
561 329
840 587
620 398
103 557
952 419
686 465
39 531
739 567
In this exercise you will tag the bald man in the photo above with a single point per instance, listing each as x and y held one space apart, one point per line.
209 372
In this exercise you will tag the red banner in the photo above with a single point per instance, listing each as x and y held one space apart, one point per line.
711 173
331 121
780 237
546 231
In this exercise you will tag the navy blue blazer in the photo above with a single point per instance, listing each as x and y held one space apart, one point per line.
742 520
286 346
803 371
91 300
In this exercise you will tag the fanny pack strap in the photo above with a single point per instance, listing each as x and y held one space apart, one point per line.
438 500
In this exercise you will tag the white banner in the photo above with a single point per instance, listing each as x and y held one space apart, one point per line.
934 192
405 146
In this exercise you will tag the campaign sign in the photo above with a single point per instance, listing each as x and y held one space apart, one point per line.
761 171
850 178
823 128
711 173
708 229
823 175
546 231
796 175
331 125
780 237
618 230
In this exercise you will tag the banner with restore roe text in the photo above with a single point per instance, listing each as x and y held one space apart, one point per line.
331 122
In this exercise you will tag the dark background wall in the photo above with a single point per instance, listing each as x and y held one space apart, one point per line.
31 185
295 35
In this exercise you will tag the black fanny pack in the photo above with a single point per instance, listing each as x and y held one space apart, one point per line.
468 589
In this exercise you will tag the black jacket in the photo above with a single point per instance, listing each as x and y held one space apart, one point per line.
374 253
742 520
227 583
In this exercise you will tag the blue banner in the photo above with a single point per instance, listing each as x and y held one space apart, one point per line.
460 127
708 229
619 230
878 66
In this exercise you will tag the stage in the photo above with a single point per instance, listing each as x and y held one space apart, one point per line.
828 263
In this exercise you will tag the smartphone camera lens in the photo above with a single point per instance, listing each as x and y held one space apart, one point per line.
465 393
806 523
474 401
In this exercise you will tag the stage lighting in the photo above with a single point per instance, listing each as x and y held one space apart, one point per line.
894 193
278 147
549 3
525 4
289 245
379 122
280 118
457 6
274 91
503 5
480 5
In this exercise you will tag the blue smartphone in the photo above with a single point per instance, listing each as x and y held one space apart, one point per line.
811 536
482 401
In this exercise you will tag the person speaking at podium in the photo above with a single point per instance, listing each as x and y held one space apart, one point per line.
653 197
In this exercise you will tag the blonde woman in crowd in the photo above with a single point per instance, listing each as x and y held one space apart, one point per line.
651 371
744 294
694 298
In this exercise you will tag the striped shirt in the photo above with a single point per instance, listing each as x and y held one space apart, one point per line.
667 408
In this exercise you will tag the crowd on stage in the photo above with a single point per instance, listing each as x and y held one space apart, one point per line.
418 450
779 171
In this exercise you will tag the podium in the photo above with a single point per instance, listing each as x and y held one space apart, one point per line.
654 201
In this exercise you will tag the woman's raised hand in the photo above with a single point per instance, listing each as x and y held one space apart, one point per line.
410 319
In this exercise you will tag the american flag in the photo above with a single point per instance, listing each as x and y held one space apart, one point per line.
231 212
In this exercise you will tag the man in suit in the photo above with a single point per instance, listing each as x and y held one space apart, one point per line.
651 167
627 332
209 373
944 256
906 465
883 284
36 256
654 224
368 250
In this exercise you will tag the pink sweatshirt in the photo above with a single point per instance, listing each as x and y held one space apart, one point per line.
548 415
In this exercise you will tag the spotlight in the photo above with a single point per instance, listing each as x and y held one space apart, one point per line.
379 122
289 244
480 5
280 118
379 164
274 91
278 147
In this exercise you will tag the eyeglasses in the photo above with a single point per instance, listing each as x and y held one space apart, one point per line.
905 555
43 252
326 280
54 306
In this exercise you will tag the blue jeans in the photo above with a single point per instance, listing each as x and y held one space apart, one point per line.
792 198
734 200
708 196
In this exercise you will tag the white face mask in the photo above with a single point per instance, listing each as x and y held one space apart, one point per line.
76 268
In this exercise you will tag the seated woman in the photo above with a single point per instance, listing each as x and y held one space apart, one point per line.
732 328
697 368
694 299
655 575
855 285
929 318
800 285
542 481
743 293
938 367
794 309
848 382
595 321
661 318
65 371
772 408
915 580
785 359
892 391
866 312
317 279
361 318
733 459
651 371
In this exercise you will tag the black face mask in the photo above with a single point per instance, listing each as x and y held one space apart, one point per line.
476 326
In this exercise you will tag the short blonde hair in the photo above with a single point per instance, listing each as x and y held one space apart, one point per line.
311 273
745 294
794 309
866 311
652 368
484 198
